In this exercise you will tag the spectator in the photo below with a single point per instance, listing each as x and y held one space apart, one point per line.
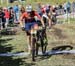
2 14
65 8
56 6
39 9
68 5
73 4
22 9
0 18
60 6
6 16
11 15
16 11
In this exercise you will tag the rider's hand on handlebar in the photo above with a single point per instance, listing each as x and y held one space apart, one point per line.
49 27
43 27
23 28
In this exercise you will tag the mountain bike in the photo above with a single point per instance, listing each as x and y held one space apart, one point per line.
33 45
42 39
38 38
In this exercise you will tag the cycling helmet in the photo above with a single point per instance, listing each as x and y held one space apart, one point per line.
28 8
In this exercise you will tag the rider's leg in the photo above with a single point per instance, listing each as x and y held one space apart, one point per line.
30 29
29 41
31 38
33 31
27 29
29 45
50 22
36 27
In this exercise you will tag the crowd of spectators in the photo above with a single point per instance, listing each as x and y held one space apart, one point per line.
10 15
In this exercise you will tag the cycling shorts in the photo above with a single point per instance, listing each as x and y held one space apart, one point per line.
28 26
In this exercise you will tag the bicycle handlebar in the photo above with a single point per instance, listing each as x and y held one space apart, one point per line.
41 28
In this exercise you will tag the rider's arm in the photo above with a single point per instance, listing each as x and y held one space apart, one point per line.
23 16
49 22
49 19
36 14
42 22
40 18
21 19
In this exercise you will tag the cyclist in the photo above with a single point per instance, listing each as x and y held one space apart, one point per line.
16 10
6 16
52 15
46 18
30 23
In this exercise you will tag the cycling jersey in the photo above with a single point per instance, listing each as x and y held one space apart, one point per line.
45 15
45 19
29 18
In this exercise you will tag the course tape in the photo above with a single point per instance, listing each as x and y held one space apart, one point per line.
39 53
61 52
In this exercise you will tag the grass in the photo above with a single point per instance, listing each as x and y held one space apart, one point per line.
61 35
51 1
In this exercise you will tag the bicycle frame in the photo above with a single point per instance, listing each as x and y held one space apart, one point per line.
41 37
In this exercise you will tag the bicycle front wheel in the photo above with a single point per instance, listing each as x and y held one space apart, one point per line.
33 49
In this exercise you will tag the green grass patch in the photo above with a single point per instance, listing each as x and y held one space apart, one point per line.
59 35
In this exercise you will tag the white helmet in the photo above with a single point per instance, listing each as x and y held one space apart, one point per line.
28 8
